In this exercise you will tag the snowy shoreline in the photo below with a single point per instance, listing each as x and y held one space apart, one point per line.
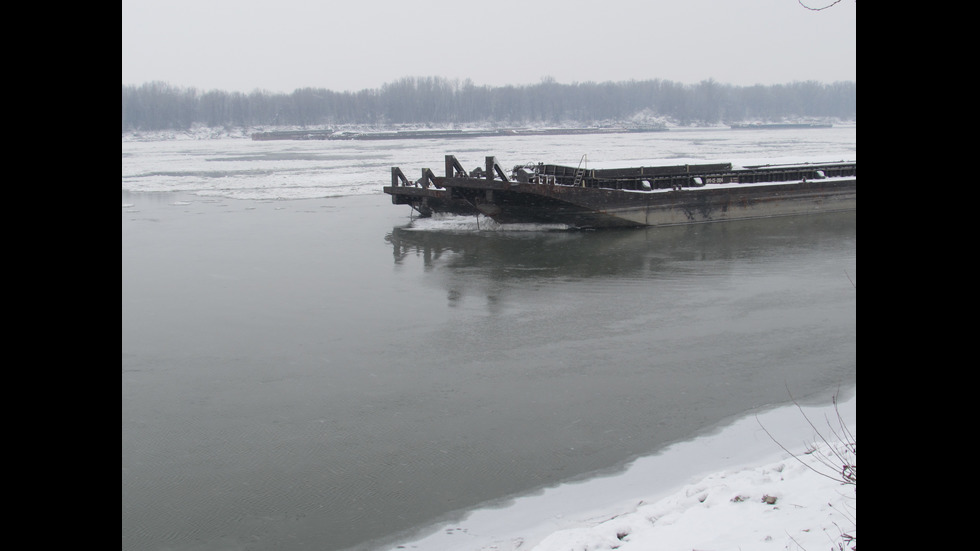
198 132
735 488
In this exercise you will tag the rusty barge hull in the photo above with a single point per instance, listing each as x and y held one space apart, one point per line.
601 208
659 196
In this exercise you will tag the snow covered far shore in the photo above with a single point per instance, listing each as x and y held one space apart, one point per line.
238 132
735 489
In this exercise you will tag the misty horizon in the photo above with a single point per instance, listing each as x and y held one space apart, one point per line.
288 45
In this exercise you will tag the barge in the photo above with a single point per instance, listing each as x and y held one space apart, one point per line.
778 125
446 134
628 197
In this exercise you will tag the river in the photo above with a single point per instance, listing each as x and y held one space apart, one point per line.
307 366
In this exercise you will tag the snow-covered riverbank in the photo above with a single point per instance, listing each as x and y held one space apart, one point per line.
735 489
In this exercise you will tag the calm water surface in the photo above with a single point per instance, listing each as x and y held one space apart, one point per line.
315 374
304 367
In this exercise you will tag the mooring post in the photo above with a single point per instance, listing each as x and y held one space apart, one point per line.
396 175
427 178
494 168
453 167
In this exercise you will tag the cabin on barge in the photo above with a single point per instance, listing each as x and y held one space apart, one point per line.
628 197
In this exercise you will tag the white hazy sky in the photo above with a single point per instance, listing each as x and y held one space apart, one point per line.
282 45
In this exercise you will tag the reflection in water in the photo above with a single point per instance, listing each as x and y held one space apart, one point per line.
500 255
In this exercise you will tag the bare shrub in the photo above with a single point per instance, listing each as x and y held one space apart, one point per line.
839 465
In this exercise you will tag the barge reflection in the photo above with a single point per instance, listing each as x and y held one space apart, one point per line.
500 253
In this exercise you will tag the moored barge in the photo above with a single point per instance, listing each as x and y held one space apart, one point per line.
624 197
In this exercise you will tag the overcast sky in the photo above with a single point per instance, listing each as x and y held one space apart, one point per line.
282 45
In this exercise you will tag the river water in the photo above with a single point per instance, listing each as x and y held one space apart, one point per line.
307 366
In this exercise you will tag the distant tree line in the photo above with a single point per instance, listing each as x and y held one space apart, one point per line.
441 101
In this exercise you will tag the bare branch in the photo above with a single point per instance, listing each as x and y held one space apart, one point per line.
804 463
818 9
838 459
844 468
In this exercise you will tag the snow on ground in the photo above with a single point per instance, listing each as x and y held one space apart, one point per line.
781 505
736 489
